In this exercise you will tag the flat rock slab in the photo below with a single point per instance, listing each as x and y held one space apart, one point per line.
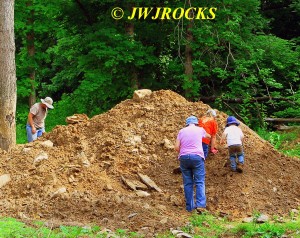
133 184
149 182
47 143
4 179
40 157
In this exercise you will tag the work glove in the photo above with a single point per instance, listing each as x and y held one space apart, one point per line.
214 151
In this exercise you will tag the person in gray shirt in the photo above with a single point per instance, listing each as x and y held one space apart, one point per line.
35 126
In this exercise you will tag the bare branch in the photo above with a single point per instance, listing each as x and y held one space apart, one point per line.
237 115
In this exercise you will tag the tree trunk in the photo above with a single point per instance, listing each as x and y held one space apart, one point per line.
8 94
85 12
188 67
31 53
129 28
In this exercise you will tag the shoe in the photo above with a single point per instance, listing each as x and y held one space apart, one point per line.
241 166
201 210
238 170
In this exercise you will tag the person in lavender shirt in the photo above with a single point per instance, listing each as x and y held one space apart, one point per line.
190 153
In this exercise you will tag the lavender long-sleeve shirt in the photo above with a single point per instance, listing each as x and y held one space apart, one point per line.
190 139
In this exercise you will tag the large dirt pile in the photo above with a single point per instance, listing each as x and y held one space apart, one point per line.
83 176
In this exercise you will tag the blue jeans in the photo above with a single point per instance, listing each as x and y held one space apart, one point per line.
193 172
236 151
32 137
205 149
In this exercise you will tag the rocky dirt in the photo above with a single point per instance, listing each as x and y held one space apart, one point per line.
92 172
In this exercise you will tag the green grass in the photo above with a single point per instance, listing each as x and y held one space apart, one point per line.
207 225
200 226
286 142
12 228
269 229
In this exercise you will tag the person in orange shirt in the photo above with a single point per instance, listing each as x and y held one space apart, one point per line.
210 125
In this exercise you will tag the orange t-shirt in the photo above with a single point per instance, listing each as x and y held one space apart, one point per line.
210 126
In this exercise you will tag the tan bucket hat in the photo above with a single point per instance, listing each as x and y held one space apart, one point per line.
48 102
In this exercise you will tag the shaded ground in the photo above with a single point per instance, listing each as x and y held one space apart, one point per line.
81 180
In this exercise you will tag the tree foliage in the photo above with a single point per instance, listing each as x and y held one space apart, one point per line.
87 61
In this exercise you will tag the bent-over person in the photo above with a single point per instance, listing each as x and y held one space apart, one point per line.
35 126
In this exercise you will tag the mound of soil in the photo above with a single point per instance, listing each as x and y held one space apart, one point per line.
93 171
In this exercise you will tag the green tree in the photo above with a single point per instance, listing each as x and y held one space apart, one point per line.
88 61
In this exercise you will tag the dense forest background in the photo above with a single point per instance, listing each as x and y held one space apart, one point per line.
244 62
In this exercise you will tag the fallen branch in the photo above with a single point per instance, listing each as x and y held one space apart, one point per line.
241 100
286 128
282 120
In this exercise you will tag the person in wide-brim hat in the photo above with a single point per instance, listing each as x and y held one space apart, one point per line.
232 120
48 102
234 137
35 126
